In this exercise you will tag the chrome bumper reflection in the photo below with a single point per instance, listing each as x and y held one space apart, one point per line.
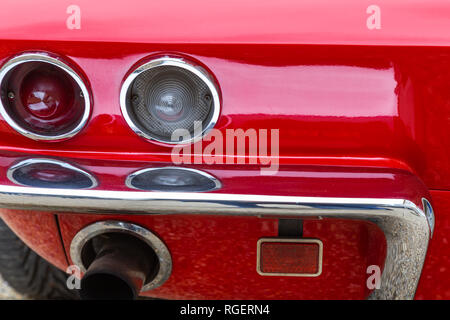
394 199
406 225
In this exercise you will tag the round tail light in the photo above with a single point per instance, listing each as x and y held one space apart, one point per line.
167 94
43 98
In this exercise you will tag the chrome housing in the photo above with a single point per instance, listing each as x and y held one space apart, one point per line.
400 205
45 58
179 63
403 222
58 163
110 226
215 183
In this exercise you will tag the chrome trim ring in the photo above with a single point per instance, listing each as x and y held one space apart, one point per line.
175 62
45 58
101 227
130 177
24 163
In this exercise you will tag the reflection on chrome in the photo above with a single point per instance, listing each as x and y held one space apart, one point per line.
404 223
172 179
50 173
407 222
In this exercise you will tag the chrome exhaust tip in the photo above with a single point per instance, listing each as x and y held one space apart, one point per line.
119 260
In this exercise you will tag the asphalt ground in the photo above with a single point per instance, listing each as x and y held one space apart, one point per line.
7 293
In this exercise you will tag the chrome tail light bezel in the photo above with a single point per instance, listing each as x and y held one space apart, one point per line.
57 62
184 64
33 161
209 177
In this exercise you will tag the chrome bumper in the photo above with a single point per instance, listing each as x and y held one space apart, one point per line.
406 226
405 217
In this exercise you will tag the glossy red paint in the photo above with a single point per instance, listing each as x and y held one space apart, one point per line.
39 230
340 94
235 21
290 180
374 106
214 257
435 280
348 245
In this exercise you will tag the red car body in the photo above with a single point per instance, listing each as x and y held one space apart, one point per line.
361 113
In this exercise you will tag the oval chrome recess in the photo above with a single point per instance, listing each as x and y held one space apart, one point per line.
179 63
145 179
45 58
17 175
85 235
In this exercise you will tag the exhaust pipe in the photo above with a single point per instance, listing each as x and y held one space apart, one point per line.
119 270
119 264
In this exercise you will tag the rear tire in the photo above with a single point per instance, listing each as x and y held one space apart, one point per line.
27 272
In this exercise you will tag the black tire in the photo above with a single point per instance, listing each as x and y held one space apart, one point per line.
28 273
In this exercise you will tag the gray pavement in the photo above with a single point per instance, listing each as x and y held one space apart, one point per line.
7 293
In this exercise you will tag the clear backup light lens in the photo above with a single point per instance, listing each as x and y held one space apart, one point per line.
42 98
167 94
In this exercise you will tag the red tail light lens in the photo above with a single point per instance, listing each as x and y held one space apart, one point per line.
42 98
290 257
44 94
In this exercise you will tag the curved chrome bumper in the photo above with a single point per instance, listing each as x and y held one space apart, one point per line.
402 211
406 226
